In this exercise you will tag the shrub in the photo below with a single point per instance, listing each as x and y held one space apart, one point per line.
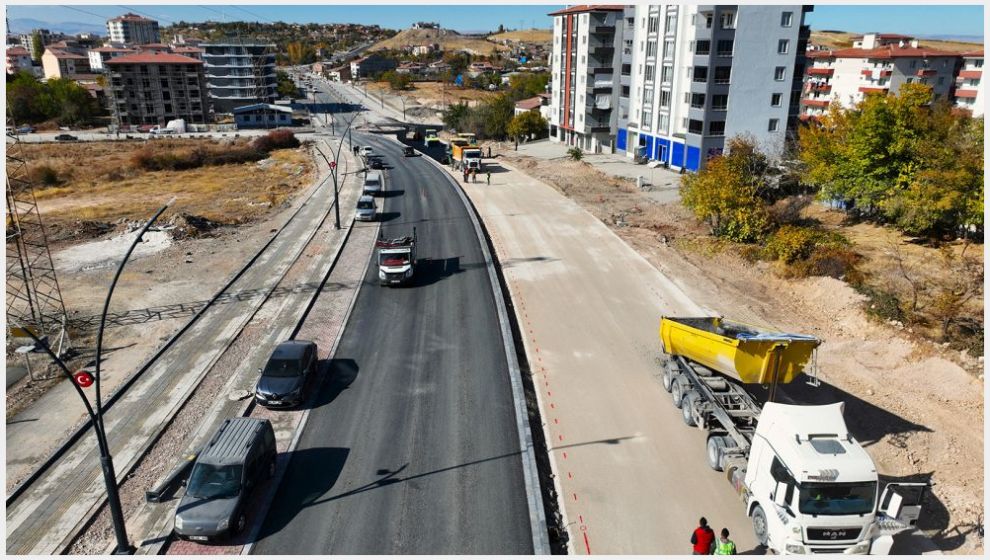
881 304
45 175
276 140
575 153
795 243
826 260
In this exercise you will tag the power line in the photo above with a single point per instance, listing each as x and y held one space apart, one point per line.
253 14
147 15
104 18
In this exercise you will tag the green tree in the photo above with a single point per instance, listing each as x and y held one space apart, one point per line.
24 99
454 116
285 86
497 112
37 46
525 125
396 81
527 84
728 194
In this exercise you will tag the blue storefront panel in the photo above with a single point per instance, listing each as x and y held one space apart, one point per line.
693 158
620 140
677 154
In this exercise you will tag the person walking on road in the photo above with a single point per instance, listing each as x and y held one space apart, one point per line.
703 538
723 545
488 177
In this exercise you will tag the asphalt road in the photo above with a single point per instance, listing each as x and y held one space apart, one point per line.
412 446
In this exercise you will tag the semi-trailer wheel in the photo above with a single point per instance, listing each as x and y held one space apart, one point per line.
668 376
688 402
677 388
716 452
760 529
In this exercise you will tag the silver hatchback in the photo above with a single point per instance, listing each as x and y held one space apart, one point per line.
366 210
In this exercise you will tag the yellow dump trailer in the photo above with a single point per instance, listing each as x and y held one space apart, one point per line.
748 353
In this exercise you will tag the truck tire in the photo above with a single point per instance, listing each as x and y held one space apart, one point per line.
677 388
688 402
716 452
667 377
760 529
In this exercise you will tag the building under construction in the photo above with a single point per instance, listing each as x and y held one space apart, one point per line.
156 87
239 74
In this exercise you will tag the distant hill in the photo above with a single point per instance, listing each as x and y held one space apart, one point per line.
26 25
524 35
448 39
844 40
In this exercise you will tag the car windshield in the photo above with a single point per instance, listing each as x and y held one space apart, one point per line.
214 481
371 183
365 205
282 368
852 498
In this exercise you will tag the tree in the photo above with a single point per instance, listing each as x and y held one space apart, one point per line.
396 81
497 112
528 84
285 86
37 46
526 125
728 194
454 116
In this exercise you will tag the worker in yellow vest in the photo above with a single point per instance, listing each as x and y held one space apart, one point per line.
723 545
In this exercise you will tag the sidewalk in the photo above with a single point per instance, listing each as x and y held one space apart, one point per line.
632 477
664 184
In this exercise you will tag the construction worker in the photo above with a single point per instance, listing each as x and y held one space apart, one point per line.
488 177
703 538
723 545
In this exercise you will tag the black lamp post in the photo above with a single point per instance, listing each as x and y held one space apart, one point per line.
333 169
96 414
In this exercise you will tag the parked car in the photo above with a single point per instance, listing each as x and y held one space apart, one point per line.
366 151
66 138
146 127
375 163
408 151
25 130
286 376
236 460
366 210
373 183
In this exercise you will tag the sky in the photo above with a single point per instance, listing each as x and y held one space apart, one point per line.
918 19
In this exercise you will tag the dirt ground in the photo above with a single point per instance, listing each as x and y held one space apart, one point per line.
434 94
449 41
915 404
525 36
842 40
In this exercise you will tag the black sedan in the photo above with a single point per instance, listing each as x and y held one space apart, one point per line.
286 376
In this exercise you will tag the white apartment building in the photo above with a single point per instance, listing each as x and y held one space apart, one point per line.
100 55
689 77
18 58
583 76
881 66
969 83
132 29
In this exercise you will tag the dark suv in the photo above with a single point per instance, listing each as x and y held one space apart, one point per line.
286 376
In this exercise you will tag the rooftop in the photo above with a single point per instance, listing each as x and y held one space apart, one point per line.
132 18
262 107
529 104
891 52
588 8
59 53
151 57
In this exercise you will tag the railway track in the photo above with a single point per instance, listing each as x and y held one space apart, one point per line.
41 518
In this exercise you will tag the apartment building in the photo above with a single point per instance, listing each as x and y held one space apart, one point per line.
155 87
18 58
881 64
583 77
371 65
239 74
61 63
132 29
99 56
969 83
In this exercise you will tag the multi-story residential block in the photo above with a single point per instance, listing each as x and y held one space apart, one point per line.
969 83
371 65
18 58
671 82
583 76
47 38
60 63
99 56
188 50
154 88
239 74
882 65
132 29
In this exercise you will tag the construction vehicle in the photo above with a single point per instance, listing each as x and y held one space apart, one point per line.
808 486
431 137
465 155
396 259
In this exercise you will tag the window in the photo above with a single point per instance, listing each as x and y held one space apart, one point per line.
779 73
625 91
720 102
708 20
651 72
728 20
664 122
584 39
716 128
978 63
775 100
786 19
666 73
654 24
941 80
698 100
772 126
725 48
695 126
648 96
703 47
700 74
168 108
913 64
651 49
783 45
626 69
722 74
665 98
910 80
668 49
671 23
646 117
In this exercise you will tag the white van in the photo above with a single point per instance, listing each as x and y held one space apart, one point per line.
374 183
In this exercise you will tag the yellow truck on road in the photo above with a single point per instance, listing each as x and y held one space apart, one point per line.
465 155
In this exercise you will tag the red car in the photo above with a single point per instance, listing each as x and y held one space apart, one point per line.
145 128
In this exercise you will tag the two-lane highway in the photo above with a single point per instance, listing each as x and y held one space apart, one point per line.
412 446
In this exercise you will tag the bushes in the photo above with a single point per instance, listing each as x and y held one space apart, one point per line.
161 157
575 154
45 175
793 243
276 140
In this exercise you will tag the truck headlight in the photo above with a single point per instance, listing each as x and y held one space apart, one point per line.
223 524
381 275
794 548
408 273
796 529
860 548
178 522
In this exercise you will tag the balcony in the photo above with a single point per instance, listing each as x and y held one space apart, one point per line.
926 72
820 88
868 89
603 52
966 93
971 74
812 102
814 71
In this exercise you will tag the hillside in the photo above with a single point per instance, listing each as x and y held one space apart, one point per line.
844 40
524 35
448 39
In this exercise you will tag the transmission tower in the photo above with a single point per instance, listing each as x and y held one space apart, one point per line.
34 300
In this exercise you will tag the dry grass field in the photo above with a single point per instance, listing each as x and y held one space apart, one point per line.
524 36
843 40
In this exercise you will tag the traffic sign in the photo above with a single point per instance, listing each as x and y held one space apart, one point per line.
333 165
83 378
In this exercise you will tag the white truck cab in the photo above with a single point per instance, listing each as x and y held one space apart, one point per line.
810 487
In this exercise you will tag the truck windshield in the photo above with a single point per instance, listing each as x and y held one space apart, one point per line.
214 481
852 498
393 259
